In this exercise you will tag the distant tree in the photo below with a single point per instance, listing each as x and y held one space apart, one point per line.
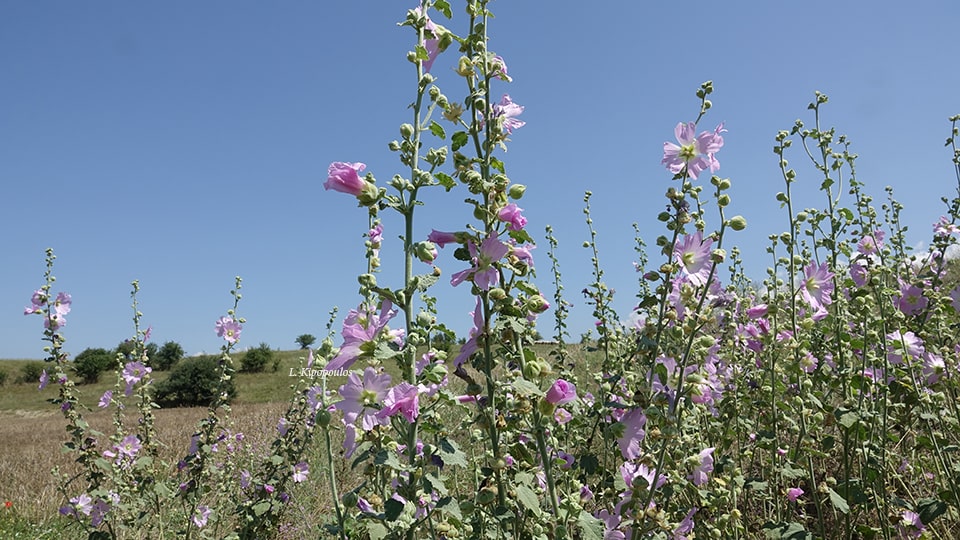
90 363
151 349
127 348
30 373
256 360
3 376
169 354
305 340
192 382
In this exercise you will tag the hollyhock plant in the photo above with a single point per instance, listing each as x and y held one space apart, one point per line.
472 344
430 43
794 493
633 422
133 373
694 154
693 255
300 472
506 111
345 178
403 399
911 300
701 474
228 329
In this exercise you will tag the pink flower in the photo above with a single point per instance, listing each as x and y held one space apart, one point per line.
44 379
133 373
871 243
363 398
432 39
441 238
105 399
511 214
943 227
228 329
127 448
817 286
361 328
483 273
911 300
472 344
693 254
82 503
561 392
794 493
629 443
37 301
506 113
345 178
695 154
200 518
300 472
702 473
403 399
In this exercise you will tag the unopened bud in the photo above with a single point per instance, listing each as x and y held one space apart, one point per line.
517 191
738 223
406 131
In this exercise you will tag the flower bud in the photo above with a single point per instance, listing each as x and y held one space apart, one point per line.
718 255
738 223
349 499
406 130
323 418
426 251
517 191
394 146
723 200
464 67
537 304
369 194
496 294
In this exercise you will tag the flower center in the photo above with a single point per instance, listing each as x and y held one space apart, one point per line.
688 152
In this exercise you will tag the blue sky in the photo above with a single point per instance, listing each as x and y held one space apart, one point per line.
184 143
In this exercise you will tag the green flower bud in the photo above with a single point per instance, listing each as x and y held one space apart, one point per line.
738 223
425 251
323 418
487 495
537 304
406 130
718 255
517 191
349 499
723 200
464 67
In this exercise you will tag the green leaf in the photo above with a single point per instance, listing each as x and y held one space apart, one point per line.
392 509
437 129
791 473
589 463
498 165
528 499
459 140
376 531
839 502
433 483
445 180
388 458
591 528
451 454
785 531
261 508
930 509
524 387
443 7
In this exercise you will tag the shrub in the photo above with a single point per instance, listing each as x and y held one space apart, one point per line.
306 340
90 363
256 360
169 354
30 373
127 348
192 382
3 376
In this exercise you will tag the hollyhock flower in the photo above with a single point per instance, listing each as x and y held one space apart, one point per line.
911 300
483 273
62 304
562 416
809 363
507 112
943 227
375 237
283 426
402 398
228 329
82 503
586 493
300 472
693 254
345 178
794 493
44 379
511 215
98 512
133 373
200 518
362 326
432 39
701 474
611 525
858 273
933 367
522 253
631 472
906 343
633 422
561 392
362 398
441 238
757 311
37 301
871 243
685 527
817 286
695 154
911 526
127 448
245 478
105 399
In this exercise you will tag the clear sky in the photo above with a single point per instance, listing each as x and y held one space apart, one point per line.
183 143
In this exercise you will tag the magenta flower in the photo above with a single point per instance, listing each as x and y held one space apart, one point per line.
701 474
633 422
300 472
817 286
228 329
61 305
695 154
345 178
200 518
686 526
362 327
871 243
363 398
511 214
82 503
507 112
432 40
105 399
375 236
441 238
794 493
402 399
943 227
472 344
37 301
127 448
911 300
44 380
561 392
693 255
483 273
133 373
